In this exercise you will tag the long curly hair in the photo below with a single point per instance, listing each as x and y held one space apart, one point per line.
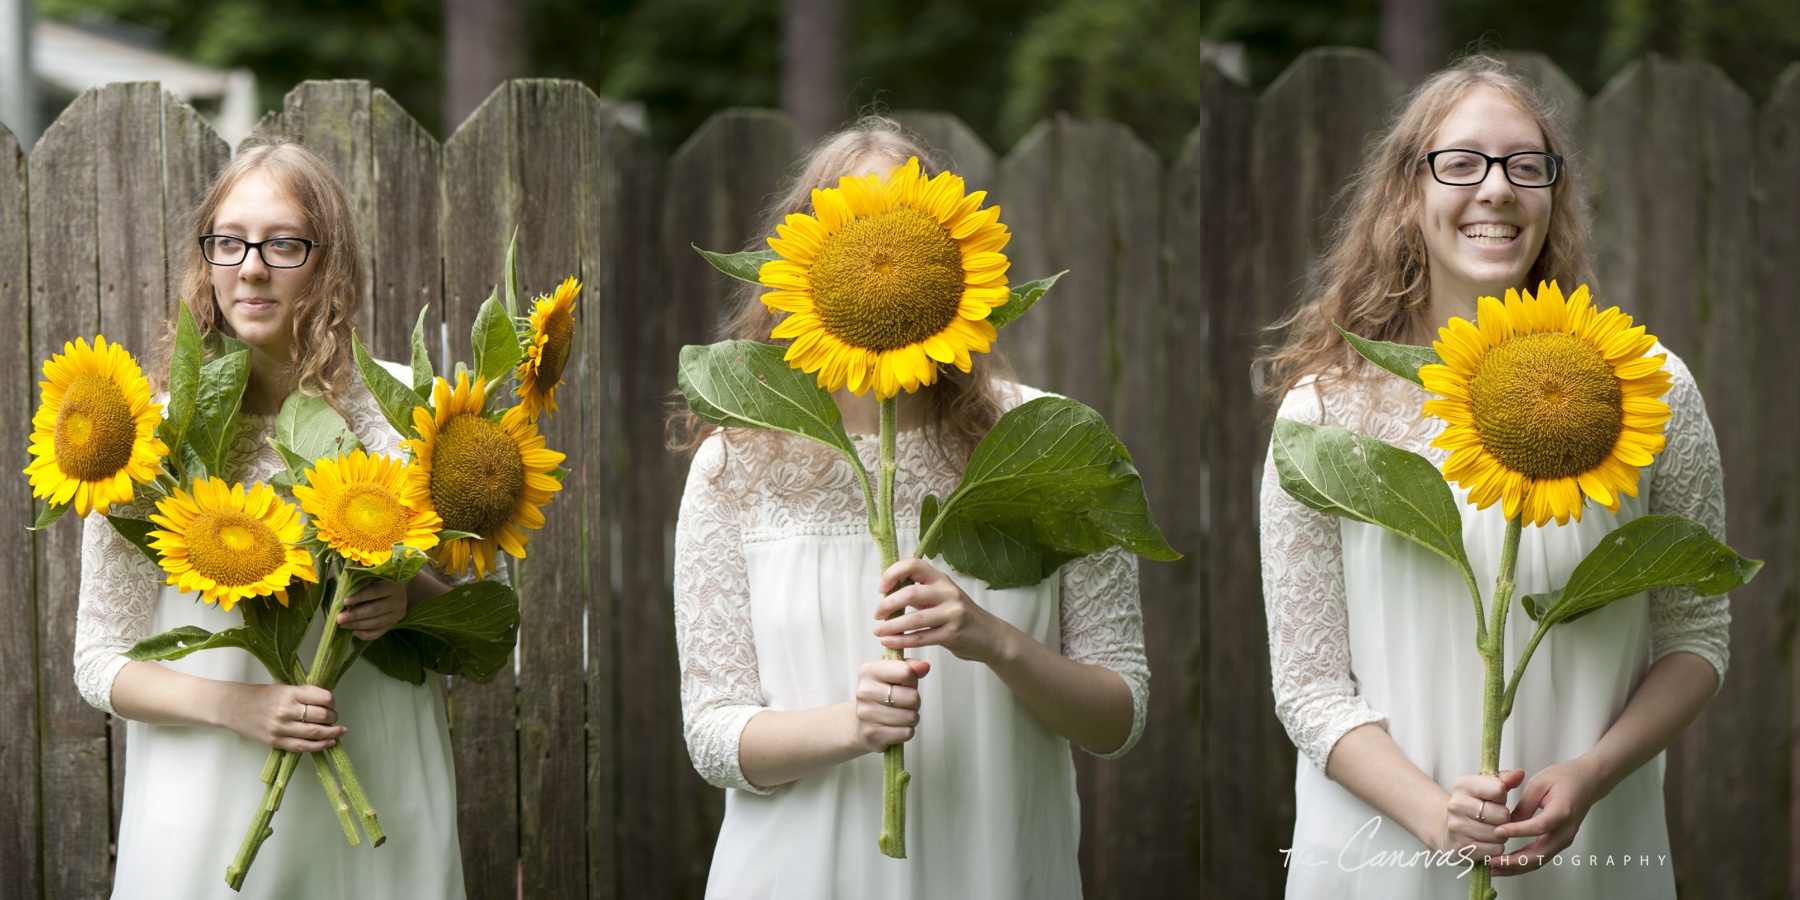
961 407
1374 278
319 351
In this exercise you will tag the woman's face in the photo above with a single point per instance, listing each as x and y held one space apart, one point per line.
1482 238
257 299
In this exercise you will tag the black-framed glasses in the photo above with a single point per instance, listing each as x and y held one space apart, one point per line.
1461 168
276 253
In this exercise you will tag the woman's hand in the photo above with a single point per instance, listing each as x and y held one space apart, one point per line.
1474 812
942 615
298 718
1551 809
373 609
887 702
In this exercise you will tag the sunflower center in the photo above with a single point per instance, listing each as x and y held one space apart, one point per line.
555 353
94 429
888 281
233 548
476 475
1547 405
370 517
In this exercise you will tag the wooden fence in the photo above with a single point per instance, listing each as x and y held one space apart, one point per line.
575 781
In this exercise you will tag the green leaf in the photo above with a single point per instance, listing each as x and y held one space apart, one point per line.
179 642
746 266
400 567
496 343
474 627
397 401
1346 474
512 276
1048 484
216 408
284 627
559 473
294 468
1646 552
50 513
396 656
422 376
447 535
218 344
311 429
1024 296
184 382
1403 360
137 531
746 384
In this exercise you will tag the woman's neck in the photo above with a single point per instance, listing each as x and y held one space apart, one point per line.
272 379
862 414
1455 301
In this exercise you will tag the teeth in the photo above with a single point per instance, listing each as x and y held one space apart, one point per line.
1491 234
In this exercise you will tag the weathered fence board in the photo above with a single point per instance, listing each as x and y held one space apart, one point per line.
405 252
478 208
65 303
1243 763
1777 375
20 865
574 781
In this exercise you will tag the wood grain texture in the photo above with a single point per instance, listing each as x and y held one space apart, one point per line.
193 154
404 247
549 128
1023 180
65 305
21 873
957 147
1565 99
478 213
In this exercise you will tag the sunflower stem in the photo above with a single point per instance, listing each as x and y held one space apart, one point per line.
328 781
1495 698
893 759
1512 686
259 830
271 766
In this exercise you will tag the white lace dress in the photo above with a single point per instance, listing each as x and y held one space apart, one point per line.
1365 627
191 792
774 608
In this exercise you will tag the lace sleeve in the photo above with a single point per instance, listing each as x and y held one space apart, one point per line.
1688 481
1102 625
119 588
1309 620
720 687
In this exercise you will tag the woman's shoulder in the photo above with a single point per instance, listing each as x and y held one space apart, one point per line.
1305 402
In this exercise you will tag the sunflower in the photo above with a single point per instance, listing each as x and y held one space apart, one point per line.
229 543
1545 401
552 331
888 278
95 431
484 477
354 502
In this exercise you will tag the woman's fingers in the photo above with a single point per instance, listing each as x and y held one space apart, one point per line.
911 568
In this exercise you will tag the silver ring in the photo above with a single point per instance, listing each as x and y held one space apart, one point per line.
1481 813
890 697
303 714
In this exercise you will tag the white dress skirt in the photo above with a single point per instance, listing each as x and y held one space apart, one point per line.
1367 627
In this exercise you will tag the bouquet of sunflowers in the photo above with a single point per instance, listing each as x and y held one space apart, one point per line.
475 481
891 277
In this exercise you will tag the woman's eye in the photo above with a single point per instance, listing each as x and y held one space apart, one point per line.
284 246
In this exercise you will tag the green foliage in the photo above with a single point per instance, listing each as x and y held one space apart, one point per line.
495 342
1343 473
468 632
747 384
1024 297
184 382
1647 552
422 375
744 266
308 429
1048 484
1402 360
397 400
220 395
137 531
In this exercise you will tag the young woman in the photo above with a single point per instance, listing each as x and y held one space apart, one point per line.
781 624
1372 644
275 262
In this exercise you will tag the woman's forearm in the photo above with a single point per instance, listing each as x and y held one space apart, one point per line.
1368 763
147 692
1089 705
779 746
1671 695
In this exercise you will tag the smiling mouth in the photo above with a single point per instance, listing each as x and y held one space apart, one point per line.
1490 235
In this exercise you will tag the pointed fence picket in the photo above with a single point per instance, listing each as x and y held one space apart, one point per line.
573 778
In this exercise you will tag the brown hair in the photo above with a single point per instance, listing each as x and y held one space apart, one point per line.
319 350
961 407
1374 278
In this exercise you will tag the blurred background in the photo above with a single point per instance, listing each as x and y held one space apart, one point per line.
999 65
